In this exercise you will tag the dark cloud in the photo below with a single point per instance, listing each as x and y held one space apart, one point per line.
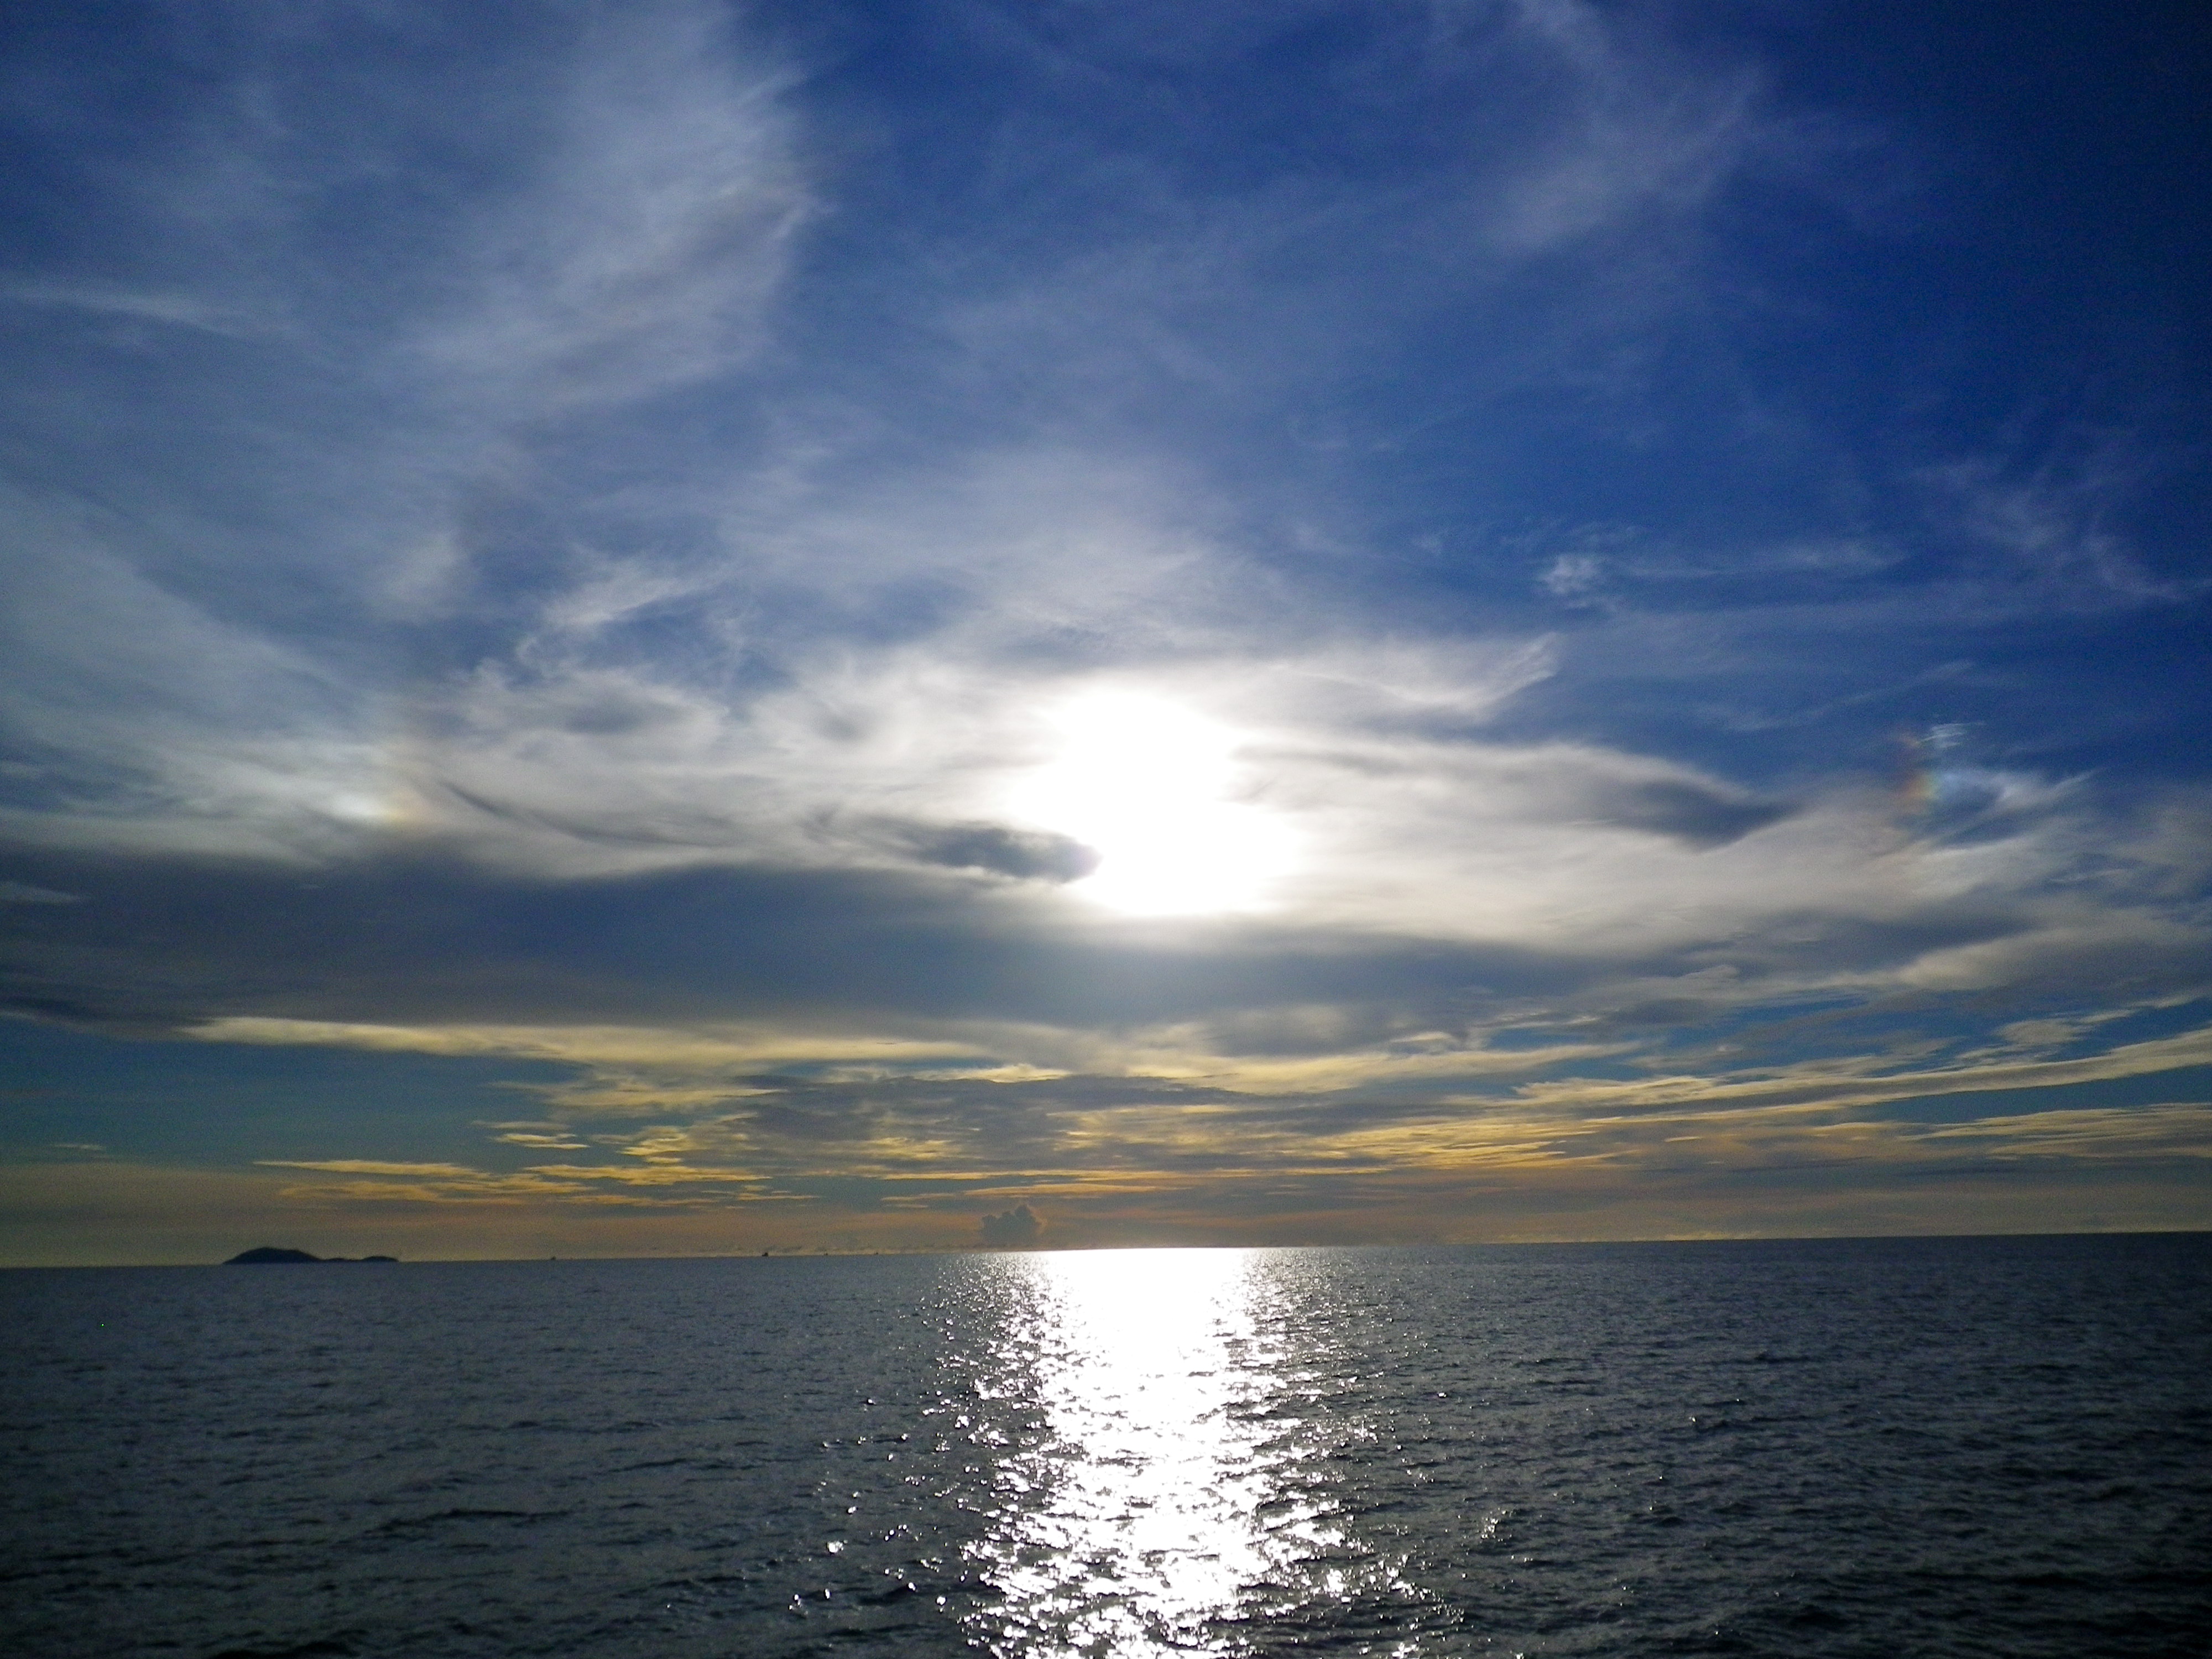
420 938
416 936
1687 812
1015 1228
1027 855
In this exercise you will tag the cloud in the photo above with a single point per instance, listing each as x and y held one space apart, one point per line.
176 310
559 1185
2052 533
1016 1229
1206 610
18 892
1032 855
1698 816
1641 135
2172 1130
368 1166
653 234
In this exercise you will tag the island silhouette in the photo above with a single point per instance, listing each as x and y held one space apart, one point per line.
268 1256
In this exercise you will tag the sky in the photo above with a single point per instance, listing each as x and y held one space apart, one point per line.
671 627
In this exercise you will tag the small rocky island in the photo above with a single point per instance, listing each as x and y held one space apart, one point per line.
268 1256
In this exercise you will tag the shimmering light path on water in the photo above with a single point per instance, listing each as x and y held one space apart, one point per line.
1997 1447
1174 1496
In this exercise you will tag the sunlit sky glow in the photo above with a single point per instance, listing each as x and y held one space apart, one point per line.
1150 786
694 627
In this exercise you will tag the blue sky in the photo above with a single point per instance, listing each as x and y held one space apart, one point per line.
677 627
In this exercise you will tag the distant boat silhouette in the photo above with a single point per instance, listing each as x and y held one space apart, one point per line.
268 1254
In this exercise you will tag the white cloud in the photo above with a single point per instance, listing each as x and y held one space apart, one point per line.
652 236
175 310
1641 135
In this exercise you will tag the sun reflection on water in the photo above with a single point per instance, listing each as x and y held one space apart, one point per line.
1159 1509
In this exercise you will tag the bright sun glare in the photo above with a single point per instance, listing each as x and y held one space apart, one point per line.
1147 784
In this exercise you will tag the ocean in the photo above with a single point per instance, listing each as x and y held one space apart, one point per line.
1902 1447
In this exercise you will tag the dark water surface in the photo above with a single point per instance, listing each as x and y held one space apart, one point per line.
1939 1447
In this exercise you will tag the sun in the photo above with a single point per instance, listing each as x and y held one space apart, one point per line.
1151 786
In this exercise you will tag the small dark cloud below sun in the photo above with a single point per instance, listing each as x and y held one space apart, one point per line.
1025 854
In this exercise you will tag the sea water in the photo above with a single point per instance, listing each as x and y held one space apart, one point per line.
1935 1447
